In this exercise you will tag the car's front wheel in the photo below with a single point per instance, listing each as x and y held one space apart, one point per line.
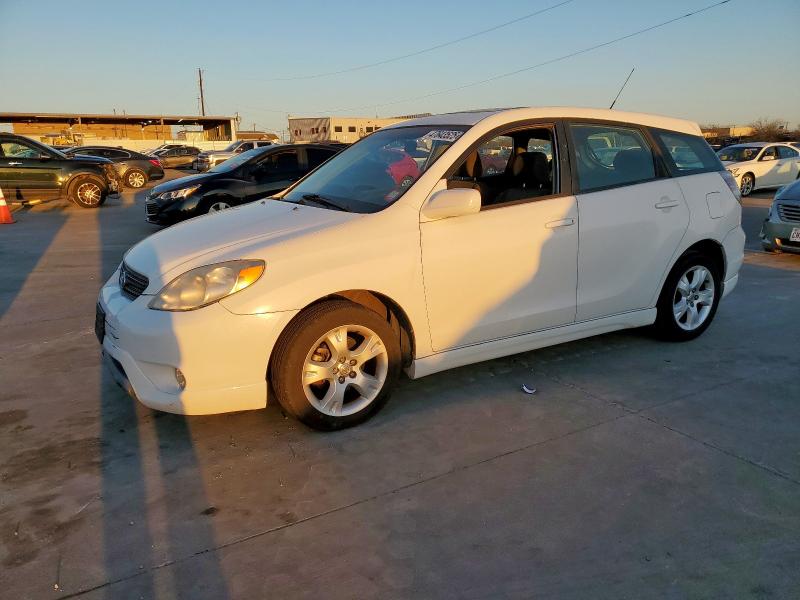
748 184
335 365
689 299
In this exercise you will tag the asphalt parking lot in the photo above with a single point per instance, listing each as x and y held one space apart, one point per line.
639 469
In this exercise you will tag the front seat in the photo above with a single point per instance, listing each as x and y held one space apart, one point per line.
468 175
528 177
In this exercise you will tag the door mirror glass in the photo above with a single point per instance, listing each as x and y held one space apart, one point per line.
452 203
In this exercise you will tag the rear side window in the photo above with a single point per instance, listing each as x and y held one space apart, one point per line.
317 156
687 154
610 156
786 152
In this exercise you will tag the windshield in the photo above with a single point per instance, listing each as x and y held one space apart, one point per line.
376 171
236 161
738 153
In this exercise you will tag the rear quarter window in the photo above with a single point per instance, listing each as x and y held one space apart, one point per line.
687 154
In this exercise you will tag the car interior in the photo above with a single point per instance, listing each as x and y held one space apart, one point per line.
509 168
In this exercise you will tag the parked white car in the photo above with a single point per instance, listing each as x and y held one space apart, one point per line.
324 293
761 165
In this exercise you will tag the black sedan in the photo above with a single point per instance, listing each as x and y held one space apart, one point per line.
250 176
133 168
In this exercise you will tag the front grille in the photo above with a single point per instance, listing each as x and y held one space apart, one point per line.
789 212
132 283
150 208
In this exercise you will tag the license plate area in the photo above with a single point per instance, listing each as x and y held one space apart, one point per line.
795 235
100 323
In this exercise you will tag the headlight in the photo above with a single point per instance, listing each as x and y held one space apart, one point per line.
181 193
205 285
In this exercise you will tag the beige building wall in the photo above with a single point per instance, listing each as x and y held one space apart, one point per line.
339 129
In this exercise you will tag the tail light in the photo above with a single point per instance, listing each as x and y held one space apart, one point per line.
731 181
155 162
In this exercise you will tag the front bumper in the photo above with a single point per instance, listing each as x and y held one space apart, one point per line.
222 355
171 211
775 234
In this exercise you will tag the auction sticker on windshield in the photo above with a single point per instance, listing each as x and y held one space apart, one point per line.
795 236
443 135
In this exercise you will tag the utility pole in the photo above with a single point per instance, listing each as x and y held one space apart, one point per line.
202 99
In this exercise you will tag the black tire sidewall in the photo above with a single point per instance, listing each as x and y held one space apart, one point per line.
129 173
294 345
73 190
665 324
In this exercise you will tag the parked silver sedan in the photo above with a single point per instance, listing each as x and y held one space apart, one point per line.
781 229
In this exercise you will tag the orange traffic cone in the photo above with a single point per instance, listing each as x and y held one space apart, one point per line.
5 213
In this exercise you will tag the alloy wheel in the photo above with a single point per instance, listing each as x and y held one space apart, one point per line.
693 298
89 193
345 370
747 185
218 206
136 179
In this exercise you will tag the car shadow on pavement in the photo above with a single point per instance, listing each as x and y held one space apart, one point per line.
150 471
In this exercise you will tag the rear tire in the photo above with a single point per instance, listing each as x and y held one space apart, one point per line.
689 298
341 383
88 191
135 179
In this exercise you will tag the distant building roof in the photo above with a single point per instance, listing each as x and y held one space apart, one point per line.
99 118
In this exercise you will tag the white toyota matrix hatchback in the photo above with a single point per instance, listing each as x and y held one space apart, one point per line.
430 244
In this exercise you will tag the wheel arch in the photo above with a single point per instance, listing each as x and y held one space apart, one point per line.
706 246
379 303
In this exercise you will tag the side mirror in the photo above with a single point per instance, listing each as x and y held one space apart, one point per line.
768 157
452 203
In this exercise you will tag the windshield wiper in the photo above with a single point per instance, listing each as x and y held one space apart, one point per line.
323 201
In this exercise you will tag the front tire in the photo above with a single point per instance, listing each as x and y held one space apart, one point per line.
335 365
88 192
689 298
748 184
135 179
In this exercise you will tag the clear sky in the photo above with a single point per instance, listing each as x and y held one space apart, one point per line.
730 65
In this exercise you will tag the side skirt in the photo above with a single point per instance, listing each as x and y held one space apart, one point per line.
451 359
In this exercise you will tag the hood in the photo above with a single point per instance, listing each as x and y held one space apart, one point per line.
789 192
215 237
182 182
95 160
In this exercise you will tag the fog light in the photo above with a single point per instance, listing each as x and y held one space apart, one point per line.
180 379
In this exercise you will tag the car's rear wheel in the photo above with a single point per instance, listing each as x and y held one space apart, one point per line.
748 184
88 192
335 365
135 179
689 299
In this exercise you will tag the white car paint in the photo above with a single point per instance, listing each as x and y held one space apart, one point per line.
473 287
767 173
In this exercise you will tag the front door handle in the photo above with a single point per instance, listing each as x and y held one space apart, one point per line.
560 223
14 164
666 203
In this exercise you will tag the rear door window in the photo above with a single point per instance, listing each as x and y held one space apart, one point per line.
687 154
317 156
786 152
610 156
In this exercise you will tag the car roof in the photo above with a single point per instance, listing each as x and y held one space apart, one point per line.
757 144
503 115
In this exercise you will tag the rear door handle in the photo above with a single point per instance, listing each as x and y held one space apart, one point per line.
666 203
560 223
14 164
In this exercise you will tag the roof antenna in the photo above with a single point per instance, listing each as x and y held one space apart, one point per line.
622 88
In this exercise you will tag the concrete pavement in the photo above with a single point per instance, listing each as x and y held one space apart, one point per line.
639 469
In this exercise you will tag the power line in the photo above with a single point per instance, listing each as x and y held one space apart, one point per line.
418 52
538 65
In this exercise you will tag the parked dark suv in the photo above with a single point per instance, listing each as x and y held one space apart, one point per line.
34 172
249 176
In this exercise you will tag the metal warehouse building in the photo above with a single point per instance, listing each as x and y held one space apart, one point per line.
338 129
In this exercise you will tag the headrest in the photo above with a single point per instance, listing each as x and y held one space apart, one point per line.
634 162
472 166
531 166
